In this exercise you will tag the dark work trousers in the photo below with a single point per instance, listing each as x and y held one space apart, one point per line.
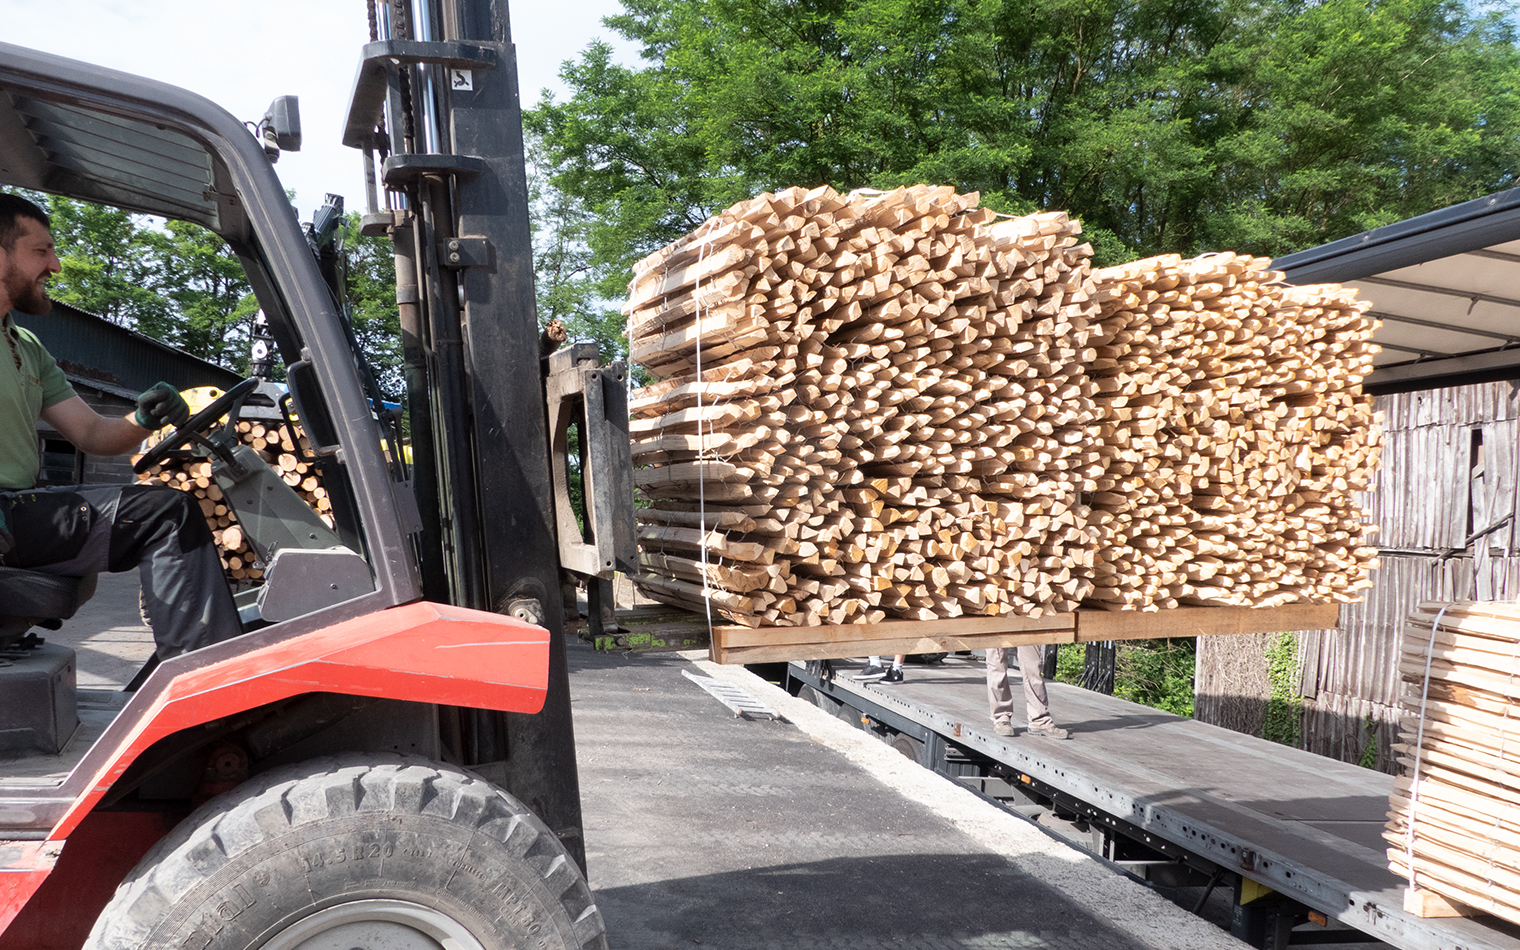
74 530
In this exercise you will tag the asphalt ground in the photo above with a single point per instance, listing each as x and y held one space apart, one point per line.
707 830
703 829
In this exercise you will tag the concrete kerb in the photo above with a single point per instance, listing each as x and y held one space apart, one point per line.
1124 904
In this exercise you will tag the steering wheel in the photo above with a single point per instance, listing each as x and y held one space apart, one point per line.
190 431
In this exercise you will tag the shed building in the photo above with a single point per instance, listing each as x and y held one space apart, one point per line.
109 366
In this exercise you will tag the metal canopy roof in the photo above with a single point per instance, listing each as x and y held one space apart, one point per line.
56 140
1446 286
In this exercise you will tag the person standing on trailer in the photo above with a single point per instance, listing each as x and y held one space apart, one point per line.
78 529
875 672
1036 703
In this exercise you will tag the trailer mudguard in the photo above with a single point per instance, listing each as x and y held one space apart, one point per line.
421 652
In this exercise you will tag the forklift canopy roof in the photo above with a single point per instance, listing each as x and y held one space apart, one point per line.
92 151
1446 286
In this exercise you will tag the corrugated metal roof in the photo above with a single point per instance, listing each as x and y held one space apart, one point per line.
1446 286
92 347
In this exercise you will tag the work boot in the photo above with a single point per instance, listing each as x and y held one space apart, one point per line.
1049 732
1002 727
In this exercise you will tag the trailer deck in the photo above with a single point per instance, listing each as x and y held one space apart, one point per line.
1203 798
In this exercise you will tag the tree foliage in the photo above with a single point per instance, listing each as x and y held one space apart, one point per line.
180 283
203 287
369 279
107 264
1263 126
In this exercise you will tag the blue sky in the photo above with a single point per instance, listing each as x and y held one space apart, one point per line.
242 55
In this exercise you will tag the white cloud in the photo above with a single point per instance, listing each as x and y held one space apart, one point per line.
242 55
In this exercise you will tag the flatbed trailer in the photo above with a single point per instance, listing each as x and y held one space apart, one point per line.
1174 801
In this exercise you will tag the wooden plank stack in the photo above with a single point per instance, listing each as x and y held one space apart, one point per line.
1455 814
274 444
1235 435
890 416
899 407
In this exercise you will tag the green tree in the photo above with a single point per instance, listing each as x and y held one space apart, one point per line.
212 302
1182 125
563 262
1361 114
107 264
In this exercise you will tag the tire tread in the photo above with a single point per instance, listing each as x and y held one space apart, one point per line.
286 798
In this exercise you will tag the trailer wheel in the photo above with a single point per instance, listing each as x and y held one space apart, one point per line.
849 714
810 695
356 851
908 746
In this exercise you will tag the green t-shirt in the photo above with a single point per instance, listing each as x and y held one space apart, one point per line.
25 391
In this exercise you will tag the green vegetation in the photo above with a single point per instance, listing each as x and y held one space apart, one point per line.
1284 719
1369 759
1071 659
180 283
1263 126
1155 673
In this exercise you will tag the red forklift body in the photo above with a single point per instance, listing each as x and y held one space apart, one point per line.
422 652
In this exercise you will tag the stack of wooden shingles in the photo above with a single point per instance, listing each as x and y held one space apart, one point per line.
275 446
878 401
1235 434
1455 813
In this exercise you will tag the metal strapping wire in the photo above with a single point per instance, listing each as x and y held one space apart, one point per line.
1419 742
701 311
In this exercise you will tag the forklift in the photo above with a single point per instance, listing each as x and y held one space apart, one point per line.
385 757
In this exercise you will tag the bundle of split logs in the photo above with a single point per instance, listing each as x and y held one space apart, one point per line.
1234 432
274 444
899 406
1454 822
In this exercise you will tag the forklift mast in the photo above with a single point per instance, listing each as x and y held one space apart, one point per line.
437 113
418 643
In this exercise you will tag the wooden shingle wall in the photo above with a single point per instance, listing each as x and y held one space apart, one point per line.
1450 470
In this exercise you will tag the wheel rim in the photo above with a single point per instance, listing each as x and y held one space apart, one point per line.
377 923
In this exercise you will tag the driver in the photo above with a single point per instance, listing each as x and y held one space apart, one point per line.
86 529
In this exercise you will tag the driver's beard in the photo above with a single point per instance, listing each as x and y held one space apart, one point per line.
25 295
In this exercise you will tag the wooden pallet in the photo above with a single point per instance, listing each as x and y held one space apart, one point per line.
736 644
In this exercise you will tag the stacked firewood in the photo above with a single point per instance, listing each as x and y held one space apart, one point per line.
875 407
1235 435
897 406
1454 825
274 445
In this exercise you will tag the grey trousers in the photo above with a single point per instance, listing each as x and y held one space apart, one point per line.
1000 695
74 530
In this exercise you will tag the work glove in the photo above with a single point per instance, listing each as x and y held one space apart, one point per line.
161 406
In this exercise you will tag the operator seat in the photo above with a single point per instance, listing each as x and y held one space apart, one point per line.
38 681
31 598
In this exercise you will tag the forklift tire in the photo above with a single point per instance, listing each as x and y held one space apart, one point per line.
356 851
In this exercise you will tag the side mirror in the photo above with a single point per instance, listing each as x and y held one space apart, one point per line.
280 129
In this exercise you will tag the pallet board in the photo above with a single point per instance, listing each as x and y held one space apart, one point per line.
739 644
